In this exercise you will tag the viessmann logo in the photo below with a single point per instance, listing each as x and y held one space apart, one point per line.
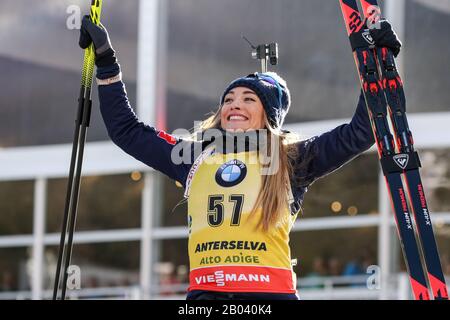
219 278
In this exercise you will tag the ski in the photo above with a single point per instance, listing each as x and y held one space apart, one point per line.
372 87
407 157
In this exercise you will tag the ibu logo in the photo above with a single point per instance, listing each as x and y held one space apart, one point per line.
401 160
231 173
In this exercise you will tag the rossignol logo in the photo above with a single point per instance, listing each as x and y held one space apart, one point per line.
231 173
366 35
401 160
219 278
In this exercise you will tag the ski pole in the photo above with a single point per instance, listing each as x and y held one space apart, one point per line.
73 186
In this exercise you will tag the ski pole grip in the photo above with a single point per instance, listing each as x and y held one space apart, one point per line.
89 56
96 11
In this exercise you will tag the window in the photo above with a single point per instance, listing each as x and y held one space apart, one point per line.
14 270
106 202
16 207
350 191
102 265
318 254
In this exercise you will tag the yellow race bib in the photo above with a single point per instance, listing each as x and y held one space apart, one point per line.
226 250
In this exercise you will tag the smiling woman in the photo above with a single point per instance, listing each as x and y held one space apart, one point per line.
232 201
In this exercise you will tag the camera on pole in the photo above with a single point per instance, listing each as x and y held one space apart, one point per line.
265 53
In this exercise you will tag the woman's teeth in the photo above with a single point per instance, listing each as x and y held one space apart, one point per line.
238 118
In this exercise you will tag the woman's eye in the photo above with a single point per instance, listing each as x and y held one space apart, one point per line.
249 99
228 100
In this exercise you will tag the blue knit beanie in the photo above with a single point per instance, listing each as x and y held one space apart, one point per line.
271 90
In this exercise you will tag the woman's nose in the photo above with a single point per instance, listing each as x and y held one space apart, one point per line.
235 105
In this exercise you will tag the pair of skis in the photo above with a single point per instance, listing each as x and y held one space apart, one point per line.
384 95
73 187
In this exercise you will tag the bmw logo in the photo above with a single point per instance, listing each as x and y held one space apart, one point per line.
231 173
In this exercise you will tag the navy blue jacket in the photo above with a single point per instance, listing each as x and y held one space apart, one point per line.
320 155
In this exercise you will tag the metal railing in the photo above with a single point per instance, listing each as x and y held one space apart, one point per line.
317 288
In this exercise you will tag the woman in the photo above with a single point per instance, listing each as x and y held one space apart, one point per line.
239 215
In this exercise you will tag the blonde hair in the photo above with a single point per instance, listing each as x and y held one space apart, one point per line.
273 195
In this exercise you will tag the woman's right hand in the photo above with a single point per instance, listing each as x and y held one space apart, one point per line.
98 35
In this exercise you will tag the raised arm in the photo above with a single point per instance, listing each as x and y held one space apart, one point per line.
145 143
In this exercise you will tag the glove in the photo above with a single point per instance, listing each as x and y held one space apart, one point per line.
386 37
380 36
98 35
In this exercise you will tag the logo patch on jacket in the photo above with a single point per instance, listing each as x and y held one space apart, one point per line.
167 137
231 173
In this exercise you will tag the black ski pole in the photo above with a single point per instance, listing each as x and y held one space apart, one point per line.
73 186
